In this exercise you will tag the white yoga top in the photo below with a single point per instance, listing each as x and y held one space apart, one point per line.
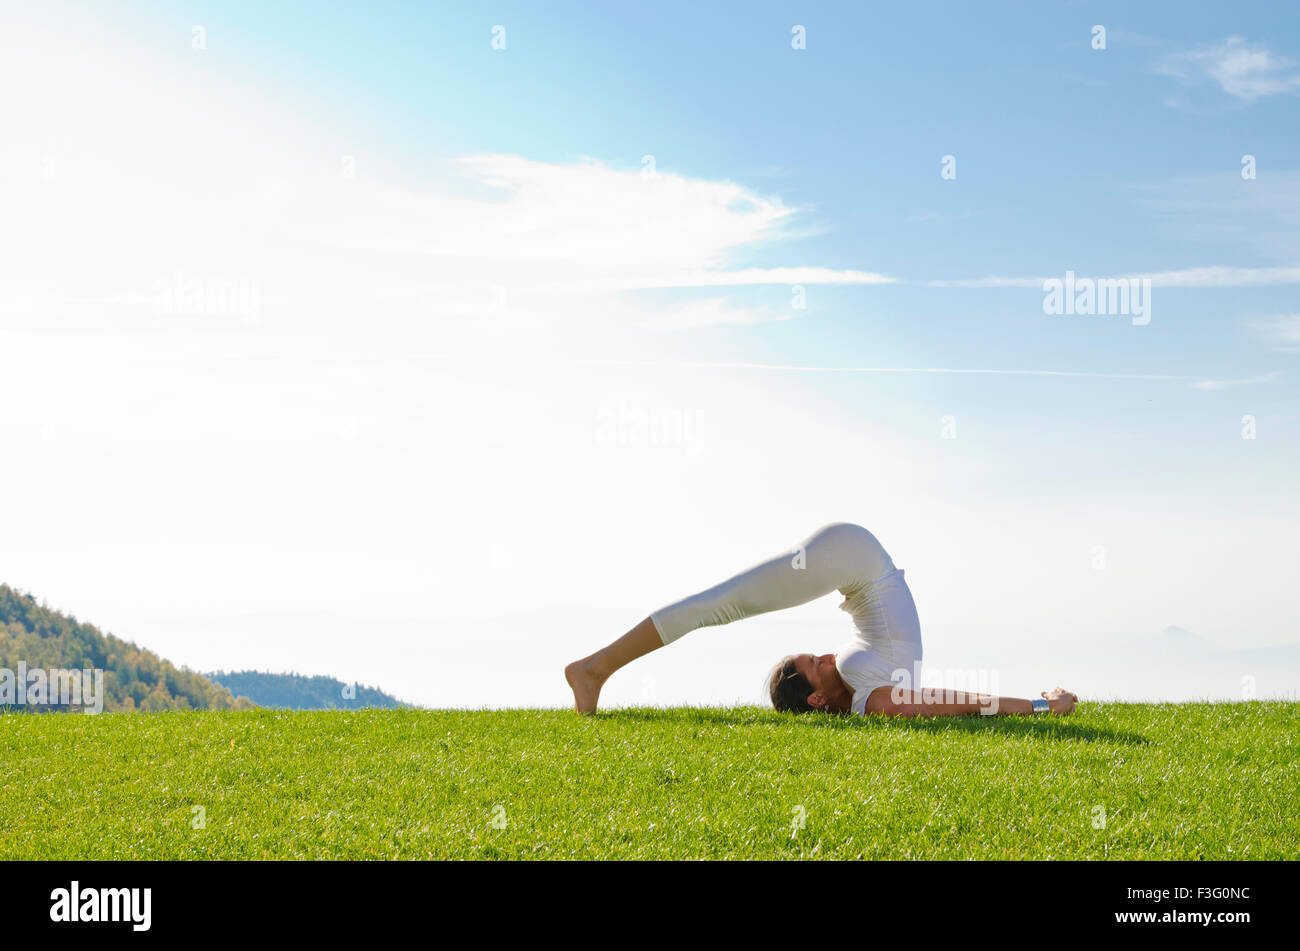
838 557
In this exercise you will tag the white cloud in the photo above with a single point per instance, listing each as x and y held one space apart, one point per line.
557 220
1193 382
1207 277
1246 72
586 228
114 182
956 371
776 275
1227 384
714 312
1221 276
1283 332
992 280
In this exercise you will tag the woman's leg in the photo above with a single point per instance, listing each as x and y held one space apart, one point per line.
829 559
588 675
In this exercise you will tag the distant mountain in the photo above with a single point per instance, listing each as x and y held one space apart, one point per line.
1178 664
1180 635
1193 646
1178 643
298 692
35 638
1169 665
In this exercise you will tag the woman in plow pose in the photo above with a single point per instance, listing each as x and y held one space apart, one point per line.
878 671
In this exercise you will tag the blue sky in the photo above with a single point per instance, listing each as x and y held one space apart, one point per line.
1068 157
411 417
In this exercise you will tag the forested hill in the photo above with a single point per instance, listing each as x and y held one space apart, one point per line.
298 692
134 678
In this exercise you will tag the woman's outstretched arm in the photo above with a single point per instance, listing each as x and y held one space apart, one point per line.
955 703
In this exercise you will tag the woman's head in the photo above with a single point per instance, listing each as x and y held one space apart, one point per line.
801 683
789 688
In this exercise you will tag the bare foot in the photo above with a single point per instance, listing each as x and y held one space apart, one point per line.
586 686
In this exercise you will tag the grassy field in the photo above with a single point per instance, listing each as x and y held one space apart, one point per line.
1175 781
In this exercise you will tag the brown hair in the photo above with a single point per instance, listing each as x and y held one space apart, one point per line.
789 688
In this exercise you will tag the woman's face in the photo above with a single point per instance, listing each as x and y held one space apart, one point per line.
819 669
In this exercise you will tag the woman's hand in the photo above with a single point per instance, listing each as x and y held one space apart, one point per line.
1061 701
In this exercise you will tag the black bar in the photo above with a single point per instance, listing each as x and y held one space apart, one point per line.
905 900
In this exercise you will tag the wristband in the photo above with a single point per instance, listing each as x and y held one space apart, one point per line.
1041 705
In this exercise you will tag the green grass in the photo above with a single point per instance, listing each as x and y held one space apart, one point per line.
1205 781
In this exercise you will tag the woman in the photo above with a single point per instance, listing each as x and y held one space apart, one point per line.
872 673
